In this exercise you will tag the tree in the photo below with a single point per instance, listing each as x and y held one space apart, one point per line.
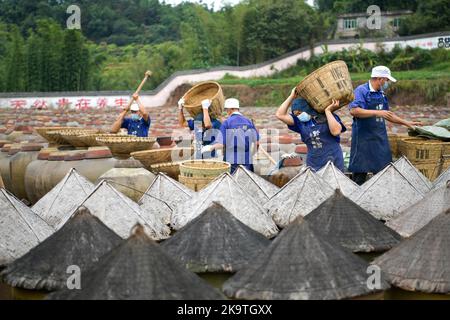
50 35
16 66
431 16
34 63
274 27
72 60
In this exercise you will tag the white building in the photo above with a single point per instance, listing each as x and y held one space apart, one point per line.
352 25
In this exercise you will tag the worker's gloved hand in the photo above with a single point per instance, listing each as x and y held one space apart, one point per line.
206 104
207 149
289 156
180 104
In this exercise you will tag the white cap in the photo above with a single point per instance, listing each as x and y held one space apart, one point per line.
134 107
382 72
231 104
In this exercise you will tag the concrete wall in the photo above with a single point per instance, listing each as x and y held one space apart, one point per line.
160 95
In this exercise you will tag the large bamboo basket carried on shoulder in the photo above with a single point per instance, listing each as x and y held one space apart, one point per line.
202 91
332 81
152 157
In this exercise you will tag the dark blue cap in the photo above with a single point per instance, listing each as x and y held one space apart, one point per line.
302 105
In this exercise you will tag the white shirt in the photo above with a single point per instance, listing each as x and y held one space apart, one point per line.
372 89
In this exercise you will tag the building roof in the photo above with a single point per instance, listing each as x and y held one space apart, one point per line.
388 193
301 264
422 262
121 214
81 242
139 269
215 241
20 228
63 199
255 184
419 214
226 191
304 193
163 196
354 228
413 174
338 180
442 179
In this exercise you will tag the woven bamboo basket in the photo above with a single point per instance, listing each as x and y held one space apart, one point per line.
172 169
43 132
56 137
122 147
204 168
72 137
332 81
445 164
60 136
402 146
205 90
195 184
418 149
394 142
90 140
446 149
431 168
152 157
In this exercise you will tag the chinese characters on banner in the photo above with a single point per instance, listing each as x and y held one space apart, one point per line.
18 104
82 104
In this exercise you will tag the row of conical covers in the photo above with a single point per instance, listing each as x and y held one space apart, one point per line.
218 229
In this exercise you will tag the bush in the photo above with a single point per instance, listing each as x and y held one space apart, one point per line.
361 60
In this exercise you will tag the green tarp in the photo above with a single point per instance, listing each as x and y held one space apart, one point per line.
431 132
444 124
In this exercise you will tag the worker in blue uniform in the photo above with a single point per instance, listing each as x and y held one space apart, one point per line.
138 124
370 150
205 128
239 138
319 131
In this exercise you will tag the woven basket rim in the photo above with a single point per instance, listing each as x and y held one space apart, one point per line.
104 134
190 91
202 179
122 140
71 133
139 153
223 165
166 165
315 72
431 143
